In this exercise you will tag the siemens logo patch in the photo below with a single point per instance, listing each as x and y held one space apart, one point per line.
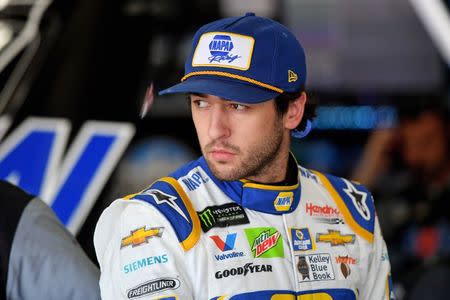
193 181
145 262
153 286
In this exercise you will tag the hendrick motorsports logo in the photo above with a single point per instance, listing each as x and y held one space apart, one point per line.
153 286
247 268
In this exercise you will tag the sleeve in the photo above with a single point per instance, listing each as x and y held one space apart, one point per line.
47 262
139 254
378 283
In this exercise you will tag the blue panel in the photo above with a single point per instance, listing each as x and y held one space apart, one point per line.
29 160
340 186
81 176
171 206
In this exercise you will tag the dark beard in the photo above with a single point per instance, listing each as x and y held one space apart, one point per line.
259 161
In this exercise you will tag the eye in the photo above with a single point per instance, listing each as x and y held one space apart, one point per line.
200 103
238 106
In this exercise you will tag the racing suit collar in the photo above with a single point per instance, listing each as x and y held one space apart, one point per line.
272 199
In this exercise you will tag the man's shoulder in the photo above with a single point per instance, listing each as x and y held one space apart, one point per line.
353 200
169 199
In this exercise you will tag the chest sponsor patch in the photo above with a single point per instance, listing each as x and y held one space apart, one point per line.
141 236
226 247
244 270
265 242
225 215
153 286
301 239
326 211
315 267
335 238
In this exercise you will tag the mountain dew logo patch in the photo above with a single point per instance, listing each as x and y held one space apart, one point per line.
265 242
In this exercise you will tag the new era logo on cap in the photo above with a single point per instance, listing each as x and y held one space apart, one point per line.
224 49
292 76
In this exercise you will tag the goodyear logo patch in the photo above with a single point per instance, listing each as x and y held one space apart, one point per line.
224 49
301 239
141 236
284 201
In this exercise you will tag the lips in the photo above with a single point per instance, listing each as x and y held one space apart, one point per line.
222 154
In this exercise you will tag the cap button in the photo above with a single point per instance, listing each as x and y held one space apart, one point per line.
250 14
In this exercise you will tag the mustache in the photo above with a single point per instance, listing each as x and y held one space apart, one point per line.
222 145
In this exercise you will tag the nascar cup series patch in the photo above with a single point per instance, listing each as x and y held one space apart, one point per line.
224 49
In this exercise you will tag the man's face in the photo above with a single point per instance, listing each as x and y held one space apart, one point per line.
237 140
425 144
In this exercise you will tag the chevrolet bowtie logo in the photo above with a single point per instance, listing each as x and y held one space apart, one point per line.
141 236
335 238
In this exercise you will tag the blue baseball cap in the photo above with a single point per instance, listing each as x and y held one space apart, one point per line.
248 59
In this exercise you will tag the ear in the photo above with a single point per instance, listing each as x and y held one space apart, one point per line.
295 112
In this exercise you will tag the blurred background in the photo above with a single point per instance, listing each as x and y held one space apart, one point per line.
374 68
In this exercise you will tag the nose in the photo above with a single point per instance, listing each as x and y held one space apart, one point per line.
218 123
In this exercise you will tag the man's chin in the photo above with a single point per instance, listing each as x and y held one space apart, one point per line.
223 170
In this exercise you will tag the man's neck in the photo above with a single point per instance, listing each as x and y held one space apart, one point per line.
275 172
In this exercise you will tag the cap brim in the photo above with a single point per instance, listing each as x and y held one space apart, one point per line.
227 89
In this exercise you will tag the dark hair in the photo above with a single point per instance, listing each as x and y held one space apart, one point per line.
282 103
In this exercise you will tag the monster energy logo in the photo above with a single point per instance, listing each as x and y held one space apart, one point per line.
207 218
225 215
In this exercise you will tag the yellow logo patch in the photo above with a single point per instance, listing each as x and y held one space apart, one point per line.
292 76
284 201
335 238
140 236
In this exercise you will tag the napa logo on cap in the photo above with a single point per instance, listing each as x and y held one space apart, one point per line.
224 49
284 201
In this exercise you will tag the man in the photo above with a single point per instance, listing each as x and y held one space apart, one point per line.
40 259
409 169
244 221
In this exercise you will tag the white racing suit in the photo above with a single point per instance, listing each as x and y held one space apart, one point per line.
191 236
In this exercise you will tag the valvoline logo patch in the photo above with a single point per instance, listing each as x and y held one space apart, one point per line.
224 49
226 245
